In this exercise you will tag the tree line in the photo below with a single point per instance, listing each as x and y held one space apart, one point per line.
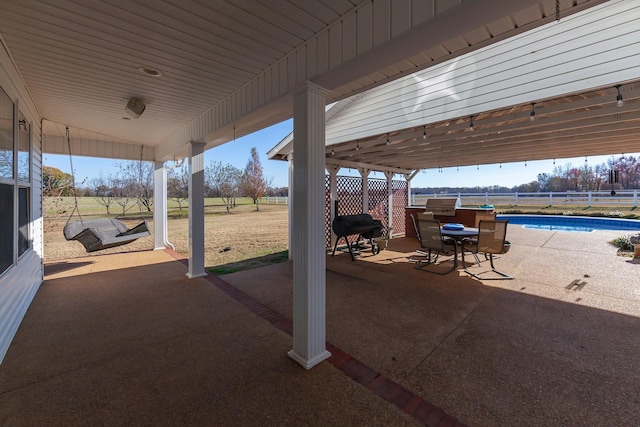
622 173
132 185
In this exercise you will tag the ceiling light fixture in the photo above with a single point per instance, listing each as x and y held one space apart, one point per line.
619 97
532 115
149 71
424 132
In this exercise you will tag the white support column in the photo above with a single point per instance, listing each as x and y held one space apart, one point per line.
196 210
364 174
290 205
160 232
333 196
309 258
389 176
409 178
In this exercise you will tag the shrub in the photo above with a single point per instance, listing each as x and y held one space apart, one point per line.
626 243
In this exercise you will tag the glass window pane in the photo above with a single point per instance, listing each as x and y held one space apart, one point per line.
24 148
6 136
6 226
23 220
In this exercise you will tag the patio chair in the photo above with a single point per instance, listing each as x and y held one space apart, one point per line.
491 241
432 245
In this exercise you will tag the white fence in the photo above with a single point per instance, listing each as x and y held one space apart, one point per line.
626 198
277 200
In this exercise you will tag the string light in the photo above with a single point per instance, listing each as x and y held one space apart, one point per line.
424 132
357 147
532 115
619 100
388 140
471 123
333 153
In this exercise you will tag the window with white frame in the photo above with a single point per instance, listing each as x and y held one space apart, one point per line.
7 182
15 183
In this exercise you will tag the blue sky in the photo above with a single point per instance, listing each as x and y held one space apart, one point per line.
237 154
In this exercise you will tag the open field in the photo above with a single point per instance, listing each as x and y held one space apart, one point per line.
254 237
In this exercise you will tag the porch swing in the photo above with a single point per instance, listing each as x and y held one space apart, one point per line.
103 233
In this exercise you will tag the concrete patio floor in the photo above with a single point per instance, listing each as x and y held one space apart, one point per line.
127 339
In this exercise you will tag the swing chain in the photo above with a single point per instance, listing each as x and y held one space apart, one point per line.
73 182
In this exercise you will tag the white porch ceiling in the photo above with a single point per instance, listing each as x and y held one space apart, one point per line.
228 66
584 124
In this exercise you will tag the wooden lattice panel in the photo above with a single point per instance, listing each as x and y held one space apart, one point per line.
379 200
400 201
327 211
350 201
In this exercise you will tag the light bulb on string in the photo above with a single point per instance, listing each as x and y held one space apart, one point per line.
532 115
424 132
388 140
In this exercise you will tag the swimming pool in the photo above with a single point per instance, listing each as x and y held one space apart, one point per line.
583 224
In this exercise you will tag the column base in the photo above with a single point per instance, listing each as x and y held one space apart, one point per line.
195 275
310 363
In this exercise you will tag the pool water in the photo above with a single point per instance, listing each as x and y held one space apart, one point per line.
558 228
570 223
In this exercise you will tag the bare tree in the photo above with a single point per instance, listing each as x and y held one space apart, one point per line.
253 183
104 190
137 176
223 181
178 185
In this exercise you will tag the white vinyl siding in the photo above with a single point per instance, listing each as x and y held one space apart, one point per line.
19 283
581 54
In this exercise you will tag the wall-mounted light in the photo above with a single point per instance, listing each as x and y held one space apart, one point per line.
532 115
619 97
135 107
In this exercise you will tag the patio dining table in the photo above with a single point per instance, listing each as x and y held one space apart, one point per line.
459 233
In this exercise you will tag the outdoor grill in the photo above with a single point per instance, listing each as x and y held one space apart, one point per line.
442 207
362 225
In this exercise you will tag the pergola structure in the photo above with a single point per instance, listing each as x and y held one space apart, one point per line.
208 73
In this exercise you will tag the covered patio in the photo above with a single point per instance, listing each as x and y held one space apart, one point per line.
408 347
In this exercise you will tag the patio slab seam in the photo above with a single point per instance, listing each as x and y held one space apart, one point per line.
407 401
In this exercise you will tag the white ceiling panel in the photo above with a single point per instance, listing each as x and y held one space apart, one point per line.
225 62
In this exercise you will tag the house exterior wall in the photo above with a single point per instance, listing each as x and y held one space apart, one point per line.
597 48
20 281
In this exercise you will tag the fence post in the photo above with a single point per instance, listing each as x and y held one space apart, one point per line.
550 198
516 198
589 199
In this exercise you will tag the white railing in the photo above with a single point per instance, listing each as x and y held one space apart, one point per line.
276 200
628 198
